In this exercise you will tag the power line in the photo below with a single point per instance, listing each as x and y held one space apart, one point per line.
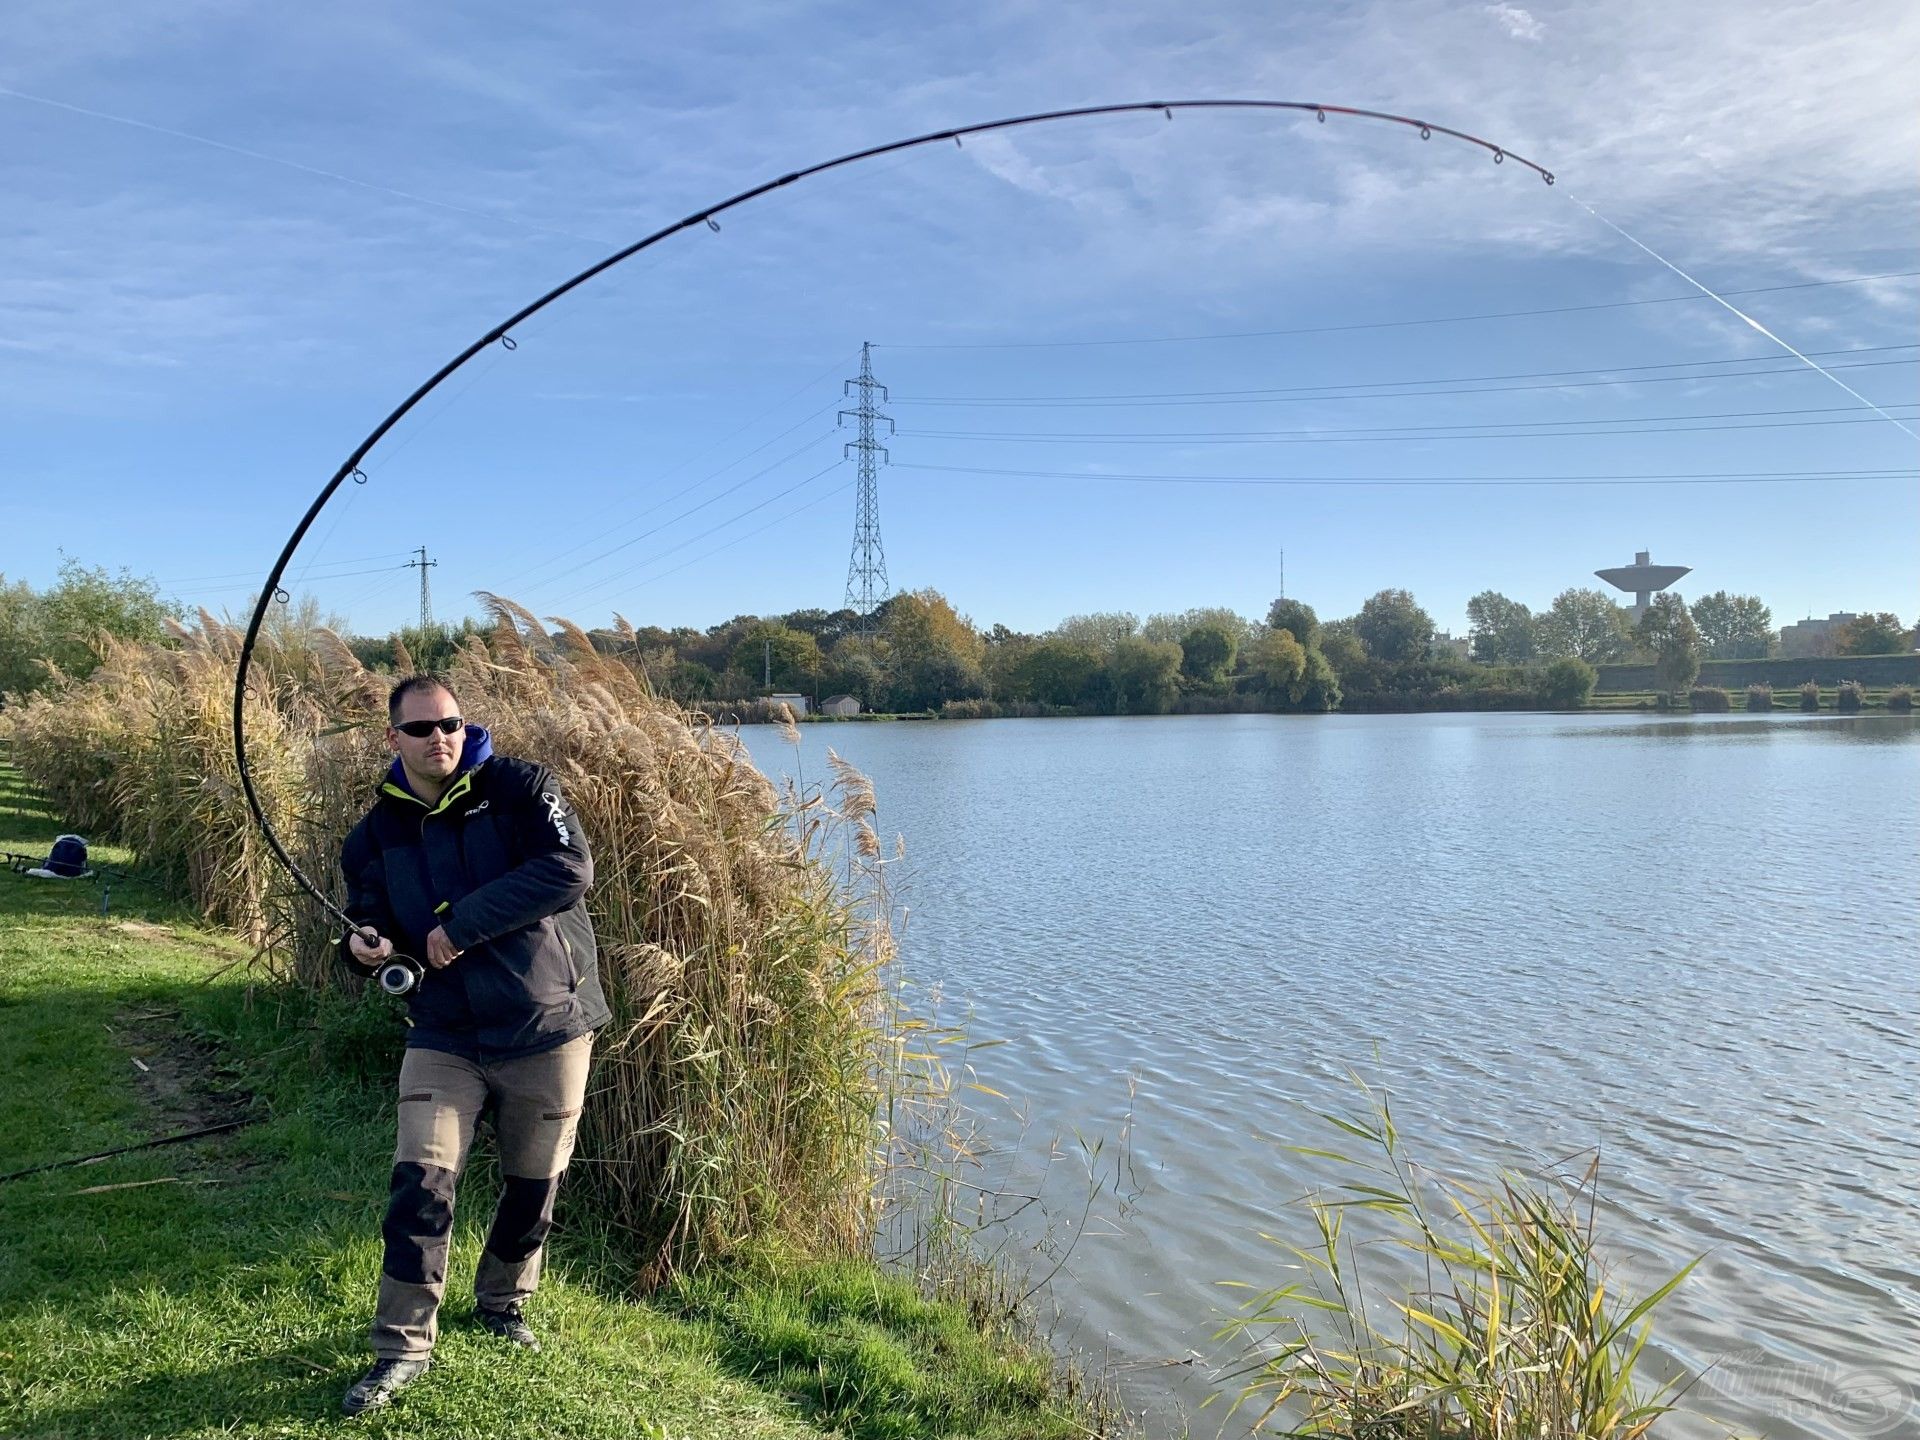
1724 477
599 585
266 159
1395 388
252 587
757 530
776 407
1234 437
696 509
1387 324
254 574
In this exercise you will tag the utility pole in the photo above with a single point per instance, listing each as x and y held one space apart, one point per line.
1283 572
423 564
867 569
766 658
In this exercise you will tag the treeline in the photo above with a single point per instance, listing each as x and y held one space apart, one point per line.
917 654
1588 624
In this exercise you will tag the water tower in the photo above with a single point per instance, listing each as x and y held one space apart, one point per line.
1642 578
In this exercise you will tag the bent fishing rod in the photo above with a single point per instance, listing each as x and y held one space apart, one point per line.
271 592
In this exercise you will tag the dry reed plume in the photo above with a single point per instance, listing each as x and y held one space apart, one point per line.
744 1089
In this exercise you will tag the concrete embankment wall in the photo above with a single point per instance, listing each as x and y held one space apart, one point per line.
1874 671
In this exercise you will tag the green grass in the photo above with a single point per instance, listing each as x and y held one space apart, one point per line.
225 1288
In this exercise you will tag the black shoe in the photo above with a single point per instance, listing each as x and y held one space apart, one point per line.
508 1324
380 1384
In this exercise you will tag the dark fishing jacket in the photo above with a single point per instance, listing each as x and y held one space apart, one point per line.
501 862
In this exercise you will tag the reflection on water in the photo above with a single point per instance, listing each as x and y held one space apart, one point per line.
1691 943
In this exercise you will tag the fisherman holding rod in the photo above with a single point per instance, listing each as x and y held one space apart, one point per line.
476 864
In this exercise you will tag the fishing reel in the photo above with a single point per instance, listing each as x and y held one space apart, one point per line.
399 974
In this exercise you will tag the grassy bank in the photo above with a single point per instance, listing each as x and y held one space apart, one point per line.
222 1286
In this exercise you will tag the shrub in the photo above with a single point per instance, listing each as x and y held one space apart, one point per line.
1567 682
1759 697
1810 696
978 709
1710 699
1900 700
1852 697
1517 1330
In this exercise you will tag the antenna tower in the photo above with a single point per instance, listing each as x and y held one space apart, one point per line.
867 569
423 564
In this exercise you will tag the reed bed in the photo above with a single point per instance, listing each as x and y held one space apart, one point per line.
1516 1331
759 1076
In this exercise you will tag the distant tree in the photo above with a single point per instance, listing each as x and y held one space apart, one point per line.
86 603
1342 647
1876 634
1587 625
930 652
1006 653
1502 629
1667 633
929 679
1275 662
1142 672
1567 682
1296 618
1733 627
1290 676
1393 627
826 626
854 670
434 647
920 623
1177 625
22 638
1206 654
1056 672
793 657
1318 687
690 680
1098 632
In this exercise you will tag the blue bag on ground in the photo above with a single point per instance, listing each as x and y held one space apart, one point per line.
67 860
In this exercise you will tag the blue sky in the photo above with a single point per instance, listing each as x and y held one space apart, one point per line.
236 237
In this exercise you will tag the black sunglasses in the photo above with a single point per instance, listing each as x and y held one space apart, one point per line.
420 729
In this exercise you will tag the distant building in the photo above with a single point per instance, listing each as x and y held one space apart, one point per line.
1458 646
795 703
1642 579
1810 636
844 706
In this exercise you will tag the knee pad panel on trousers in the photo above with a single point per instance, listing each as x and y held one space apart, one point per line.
419 1218
525 1216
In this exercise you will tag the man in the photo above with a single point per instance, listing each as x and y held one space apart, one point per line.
474 865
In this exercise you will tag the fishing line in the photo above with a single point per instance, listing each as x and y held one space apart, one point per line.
1734 309
501 334
265 159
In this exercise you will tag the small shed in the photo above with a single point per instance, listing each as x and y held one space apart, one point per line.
844 706
796 703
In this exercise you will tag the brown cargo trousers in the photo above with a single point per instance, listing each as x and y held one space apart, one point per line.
537 1101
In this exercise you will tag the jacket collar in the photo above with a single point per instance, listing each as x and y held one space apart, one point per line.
475 752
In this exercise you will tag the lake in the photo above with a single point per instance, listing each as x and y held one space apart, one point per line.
1691 943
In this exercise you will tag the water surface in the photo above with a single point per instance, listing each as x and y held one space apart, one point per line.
1691 944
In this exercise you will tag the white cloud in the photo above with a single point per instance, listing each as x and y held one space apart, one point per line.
1518 23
